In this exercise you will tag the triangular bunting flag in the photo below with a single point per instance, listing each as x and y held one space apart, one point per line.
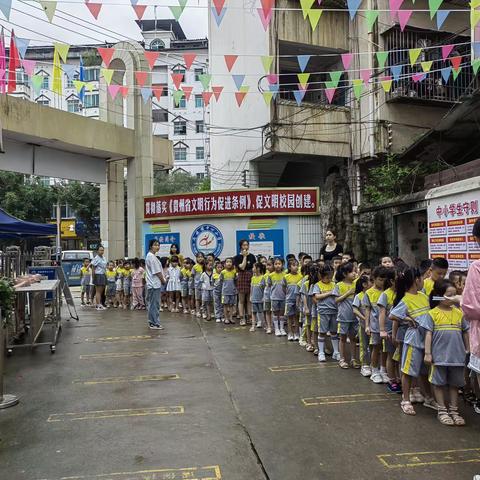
124 91
267 6
230 61
240 96
90 86
413 54
146 94
366 74
330 92
476 65
265 18
188 59
303 79
386 83
107 75
207 96
238 79
139 10
456 73
372 16
272 78
434 5
446 50
94 9
187 90
133 2
205 80
396 71
22 45
79 85
151 58
394 7
49 8
426 66
347 60
37 81
456 61
474 17
441 17
5 8
113 90
217 92
177 96
306 7
446 72
69 70
267 63
29 66
62 49
419 77
353 6
382 58
177 79
314 16
141 78
106 54
299 95
176 11
403 18
303 61
157 92
357 87
218 5
275 88
267 97
335 78
218 17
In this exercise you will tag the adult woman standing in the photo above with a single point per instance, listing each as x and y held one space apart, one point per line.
155 279
244 264
331 248
99 276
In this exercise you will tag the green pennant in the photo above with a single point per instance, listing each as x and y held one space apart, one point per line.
267 96
372 16
267 63
434 5
183 3
205 79
306 7
426 66
176 11
476 65
303 79
314 17
455 73
474 17
177 96
357 87
107 75
413 54
37 81
381 58
335 78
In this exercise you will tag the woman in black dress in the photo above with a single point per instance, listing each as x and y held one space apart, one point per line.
331 248
244 264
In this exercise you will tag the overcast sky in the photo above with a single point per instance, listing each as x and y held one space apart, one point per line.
74 24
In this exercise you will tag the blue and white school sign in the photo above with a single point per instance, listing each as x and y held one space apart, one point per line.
207 239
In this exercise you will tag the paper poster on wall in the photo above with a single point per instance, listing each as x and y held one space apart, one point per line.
263 242
165 240
450 223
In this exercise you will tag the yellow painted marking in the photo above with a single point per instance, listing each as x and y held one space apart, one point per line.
120 355
193 473
420 459
231 329
263 345
301 366
125 412
141 378
126 338
341 399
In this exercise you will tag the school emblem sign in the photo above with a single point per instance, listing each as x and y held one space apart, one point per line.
207 239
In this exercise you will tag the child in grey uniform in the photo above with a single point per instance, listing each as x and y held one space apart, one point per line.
256 295
362 285
217 292
277 297
267 304
207 290
228 279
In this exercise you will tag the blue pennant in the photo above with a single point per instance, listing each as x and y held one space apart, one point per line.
353 6
476 49
146 93
274 88
299 94
446 72
441 17
219 18
69 70
303 61
238 79
396 71
22 45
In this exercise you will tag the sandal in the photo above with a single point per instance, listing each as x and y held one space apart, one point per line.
407 408
310 348
444 418
343 364
457 419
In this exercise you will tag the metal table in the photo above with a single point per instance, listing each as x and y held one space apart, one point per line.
38 317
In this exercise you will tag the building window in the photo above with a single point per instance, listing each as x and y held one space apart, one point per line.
180 127
200 176
180 154
181 104
73 105
198 101
200 153
46 82
70 81
157 45
43 101
179 71
200 126
198 72
91 74
91 101
22 77
159 115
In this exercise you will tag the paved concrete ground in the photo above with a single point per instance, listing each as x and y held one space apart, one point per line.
204 401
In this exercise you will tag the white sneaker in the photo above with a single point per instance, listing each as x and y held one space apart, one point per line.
243 322
269 331
295 338
278 333
199 315
252 328
290 337
204 316
259 324
192 312
366 371
161 309
336 356
283 333
385 377
376 378
156 327
321 357
218 320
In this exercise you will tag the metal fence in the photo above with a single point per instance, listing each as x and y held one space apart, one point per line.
14 262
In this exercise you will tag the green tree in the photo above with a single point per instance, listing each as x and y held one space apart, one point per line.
178 182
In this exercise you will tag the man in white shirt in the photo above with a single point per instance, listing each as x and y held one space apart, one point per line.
154 279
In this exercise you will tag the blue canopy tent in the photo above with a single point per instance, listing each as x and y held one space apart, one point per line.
12 227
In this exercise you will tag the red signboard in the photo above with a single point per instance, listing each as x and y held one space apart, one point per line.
279 201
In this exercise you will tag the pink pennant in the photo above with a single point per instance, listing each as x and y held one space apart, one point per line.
141 78
206 97
2 74
240 97
446 51
265 18
157 92
217 91
418 77
403 18
124 91
139 10
113 90
151 58
366 74
347 60
188 59
330 92
267 6
106 54
456 62
272 78
219 6
230 61
29 66
187 91
94 9
394 7
177 79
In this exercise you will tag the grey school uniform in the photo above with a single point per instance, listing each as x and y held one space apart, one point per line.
184 280
267 303
229 287
277 294
370 300
386 301
207 287
290 283
217 296
257 293
326 309
345 317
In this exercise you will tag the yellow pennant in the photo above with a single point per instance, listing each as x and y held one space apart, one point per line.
57 74
314 16
426 66
414 53
107 75
267 96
